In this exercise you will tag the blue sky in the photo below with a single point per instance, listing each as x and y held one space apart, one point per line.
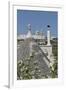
38 20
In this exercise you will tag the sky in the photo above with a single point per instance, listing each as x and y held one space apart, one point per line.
38 20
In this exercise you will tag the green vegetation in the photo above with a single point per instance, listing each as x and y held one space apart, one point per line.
54 72
27 71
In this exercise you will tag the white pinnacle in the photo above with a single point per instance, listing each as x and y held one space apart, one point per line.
29 35
48 37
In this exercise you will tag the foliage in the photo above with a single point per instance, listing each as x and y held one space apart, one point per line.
54 68
27 71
